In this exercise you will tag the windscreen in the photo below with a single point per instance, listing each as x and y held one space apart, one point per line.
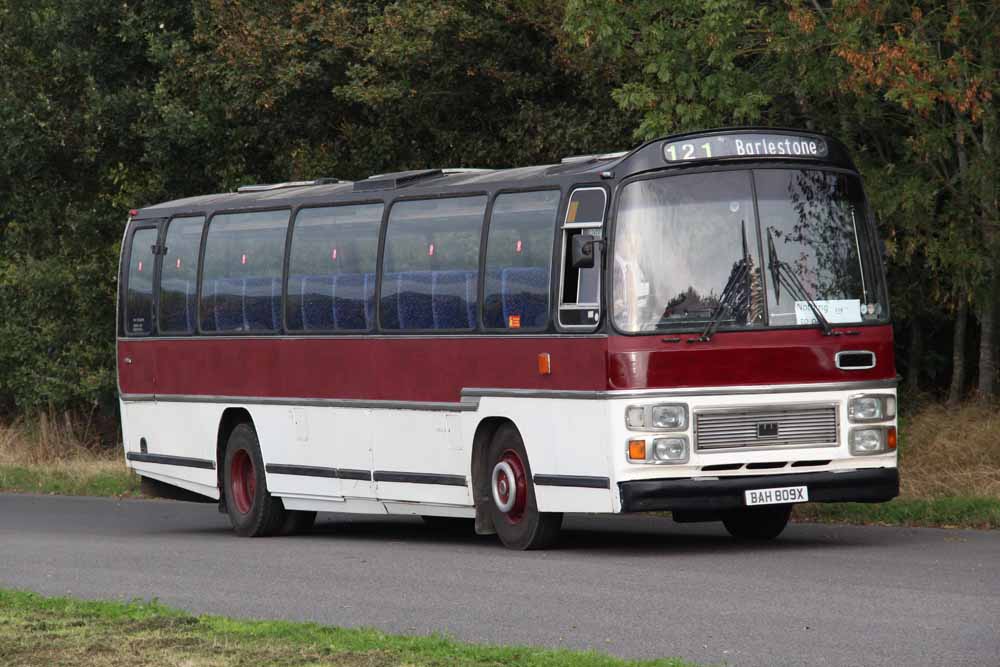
691 247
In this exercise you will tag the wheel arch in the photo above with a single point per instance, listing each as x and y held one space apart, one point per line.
230 419
481 496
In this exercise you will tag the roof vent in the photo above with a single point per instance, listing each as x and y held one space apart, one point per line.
287 184
399 179
464 170
593 158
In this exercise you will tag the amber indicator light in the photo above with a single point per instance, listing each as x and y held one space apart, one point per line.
544 364
637 450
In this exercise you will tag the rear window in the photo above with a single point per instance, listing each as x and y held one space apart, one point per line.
138 316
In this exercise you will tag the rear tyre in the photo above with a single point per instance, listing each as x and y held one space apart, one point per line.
252 510
757 523
515 514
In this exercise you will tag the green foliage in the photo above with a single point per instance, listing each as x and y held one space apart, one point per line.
108 106
120 105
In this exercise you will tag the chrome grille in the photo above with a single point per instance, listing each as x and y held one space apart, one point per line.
757 427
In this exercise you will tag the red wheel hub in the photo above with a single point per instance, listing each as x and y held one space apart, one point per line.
510 486
243 481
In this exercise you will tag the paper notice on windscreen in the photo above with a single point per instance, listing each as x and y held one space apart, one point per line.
836 310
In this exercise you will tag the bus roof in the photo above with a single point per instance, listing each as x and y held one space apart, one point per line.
725 145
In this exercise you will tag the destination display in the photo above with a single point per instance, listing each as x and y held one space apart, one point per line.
751 144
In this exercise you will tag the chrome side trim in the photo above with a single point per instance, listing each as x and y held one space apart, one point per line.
466 405
681 391
471 397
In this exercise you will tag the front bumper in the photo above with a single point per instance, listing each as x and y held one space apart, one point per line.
875 485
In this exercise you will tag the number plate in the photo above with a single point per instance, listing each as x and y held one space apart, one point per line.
781 496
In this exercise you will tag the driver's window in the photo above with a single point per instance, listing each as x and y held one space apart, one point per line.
580 289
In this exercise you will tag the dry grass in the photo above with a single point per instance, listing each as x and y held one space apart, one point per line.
60 453
951 452
51 438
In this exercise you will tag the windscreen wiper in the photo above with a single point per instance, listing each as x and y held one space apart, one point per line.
782 274
731 296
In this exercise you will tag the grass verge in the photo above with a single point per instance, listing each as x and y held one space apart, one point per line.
944 512
82 478
36 630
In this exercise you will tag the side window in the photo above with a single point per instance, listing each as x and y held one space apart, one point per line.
519 260
331 270
431 266
138 316
580 296
179 275
241 279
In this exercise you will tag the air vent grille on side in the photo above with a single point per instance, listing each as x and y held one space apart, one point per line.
855 360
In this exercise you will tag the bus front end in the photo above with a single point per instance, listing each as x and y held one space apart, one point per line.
750 357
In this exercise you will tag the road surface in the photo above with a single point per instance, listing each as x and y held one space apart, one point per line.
629 586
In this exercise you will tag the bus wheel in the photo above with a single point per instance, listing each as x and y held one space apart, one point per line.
252 510
518 522
757 523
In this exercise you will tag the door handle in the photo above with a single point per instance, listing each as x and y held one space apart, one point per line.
128 360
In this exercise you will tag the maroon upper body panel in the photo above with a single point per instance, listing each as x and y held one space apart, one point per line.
781 356
377 368
437 369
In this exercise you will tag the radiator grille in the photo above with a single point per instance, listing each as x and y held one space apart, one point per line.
766 427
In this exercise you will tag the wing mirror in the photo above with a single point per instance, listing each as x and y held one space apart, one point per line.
582 251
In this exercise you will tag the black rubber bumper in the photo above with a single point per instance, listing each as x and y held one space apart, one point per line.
861 486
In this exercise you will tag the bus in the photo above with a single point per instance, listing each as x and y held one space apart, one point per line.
697 326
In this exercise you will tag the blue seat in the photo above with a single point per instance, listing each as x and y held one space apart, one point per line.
317 294
353 301
262 303
414 300
227 304
525 292
453 299
177 305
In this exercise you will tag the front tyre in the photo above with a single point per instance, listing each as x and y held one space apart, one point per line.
757 523
252 510
515 514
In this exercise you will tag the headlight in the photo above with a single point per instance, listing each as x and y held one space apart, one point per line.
875 440
664 417
673 449
670 450
871 408
669 417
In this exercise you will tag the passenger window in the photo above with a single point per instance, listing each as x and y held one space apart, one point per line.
241 281
331 274
581 288
139 287
519 260
179 275
431 266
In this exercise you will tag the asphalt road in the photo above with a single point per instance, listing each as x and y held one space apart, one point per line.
630 586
